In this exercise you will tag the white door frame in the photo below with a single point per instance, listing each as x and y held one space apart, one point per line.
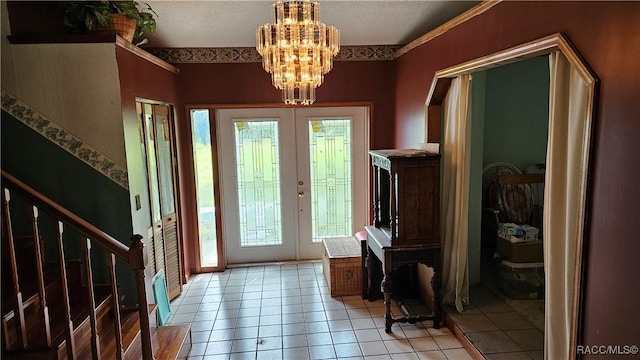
360 172
224 117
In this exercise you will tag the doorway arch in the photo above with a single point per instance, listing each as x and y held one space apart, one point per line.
565 329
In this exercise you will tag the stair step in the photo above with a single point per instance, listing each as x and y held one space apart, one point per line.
48 354
33 319
27 274
82 327
82 323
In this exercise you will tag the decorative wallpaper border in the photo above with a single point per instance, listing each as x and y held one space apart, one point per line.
250 54
61 137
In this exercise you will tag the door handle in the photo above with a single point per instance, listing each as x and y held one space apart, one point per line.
300 193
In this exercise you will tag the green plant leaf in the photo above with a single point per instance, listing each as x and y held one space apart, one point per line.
84 16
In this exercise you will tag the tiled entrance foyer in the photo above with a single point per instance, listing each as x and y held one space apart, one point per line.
285 312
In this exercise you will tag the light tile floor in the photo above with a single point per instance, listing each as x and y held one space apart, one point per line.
498 326
495 329
286 312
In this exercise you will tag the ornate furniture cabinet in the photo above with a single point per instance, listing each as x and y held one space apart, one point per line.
406 222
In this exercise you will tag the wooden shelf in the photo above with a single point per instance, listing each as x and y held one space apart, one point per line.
62 39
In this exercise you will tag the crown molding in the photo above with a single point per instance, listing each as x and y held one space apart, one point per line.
469 14
250 54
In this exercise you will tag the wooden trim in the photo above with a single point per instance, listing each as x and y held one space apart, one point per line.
92 38
471 13
187 148
144 101
528 50
62 39
459 334
520 52
145 55
177 194
197 267
217 190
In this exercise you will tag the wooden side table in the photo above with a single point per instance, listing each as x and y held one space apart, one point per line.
392 257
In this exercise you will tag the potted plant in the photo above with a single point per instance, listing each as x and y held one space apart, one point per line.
127 18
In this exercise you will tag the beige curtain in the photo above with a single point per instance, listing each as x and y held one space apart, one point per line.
567 151
455 193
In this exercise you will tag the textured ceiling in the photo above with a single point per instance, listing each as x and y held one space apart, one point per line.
216 23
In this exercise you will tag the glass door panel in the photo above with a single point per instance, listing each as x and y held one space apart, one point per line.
257 167
205 194
154 235
330 178
333 166
258 182
165 159
290 178
152 165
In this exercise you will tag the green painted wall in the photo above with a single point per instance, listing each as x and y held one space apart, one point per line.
78 187
478 84
517 113
509 123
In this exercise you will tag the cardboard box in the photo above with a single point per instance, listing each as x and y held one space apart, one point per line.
521 280
520 252
342 265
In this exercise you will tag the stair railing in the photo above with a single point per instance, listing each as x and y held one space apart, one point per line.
134 256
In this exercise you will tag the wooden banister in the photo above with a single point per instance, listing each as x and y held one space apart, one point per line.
18 306
138 263
135 257
44 308
68 326
44 203
115 299
95 339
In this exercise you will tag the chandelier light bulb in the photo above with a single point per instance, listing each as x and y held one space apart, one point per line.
297 49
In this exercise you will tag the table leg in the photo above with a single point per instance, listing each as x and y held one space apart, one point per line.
387 289
365 271
436 284
375 277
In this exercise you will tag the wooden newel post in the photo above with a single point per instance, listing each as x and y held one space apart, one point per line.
138 261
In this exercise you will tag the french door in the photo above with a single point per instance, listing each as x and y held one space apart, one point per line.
291 177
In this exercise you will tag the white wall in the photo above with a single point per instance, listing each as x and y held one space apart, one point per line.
74 85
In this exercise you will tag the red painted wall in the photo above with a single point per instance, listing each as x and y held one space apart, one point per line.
143 79
607 35
140 78
368 82
349 81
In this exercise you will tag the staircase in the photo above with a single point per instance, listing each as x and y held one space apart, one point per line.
52 308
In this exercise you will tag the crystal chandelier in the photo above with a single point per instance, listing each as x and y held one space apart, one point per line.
297 50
